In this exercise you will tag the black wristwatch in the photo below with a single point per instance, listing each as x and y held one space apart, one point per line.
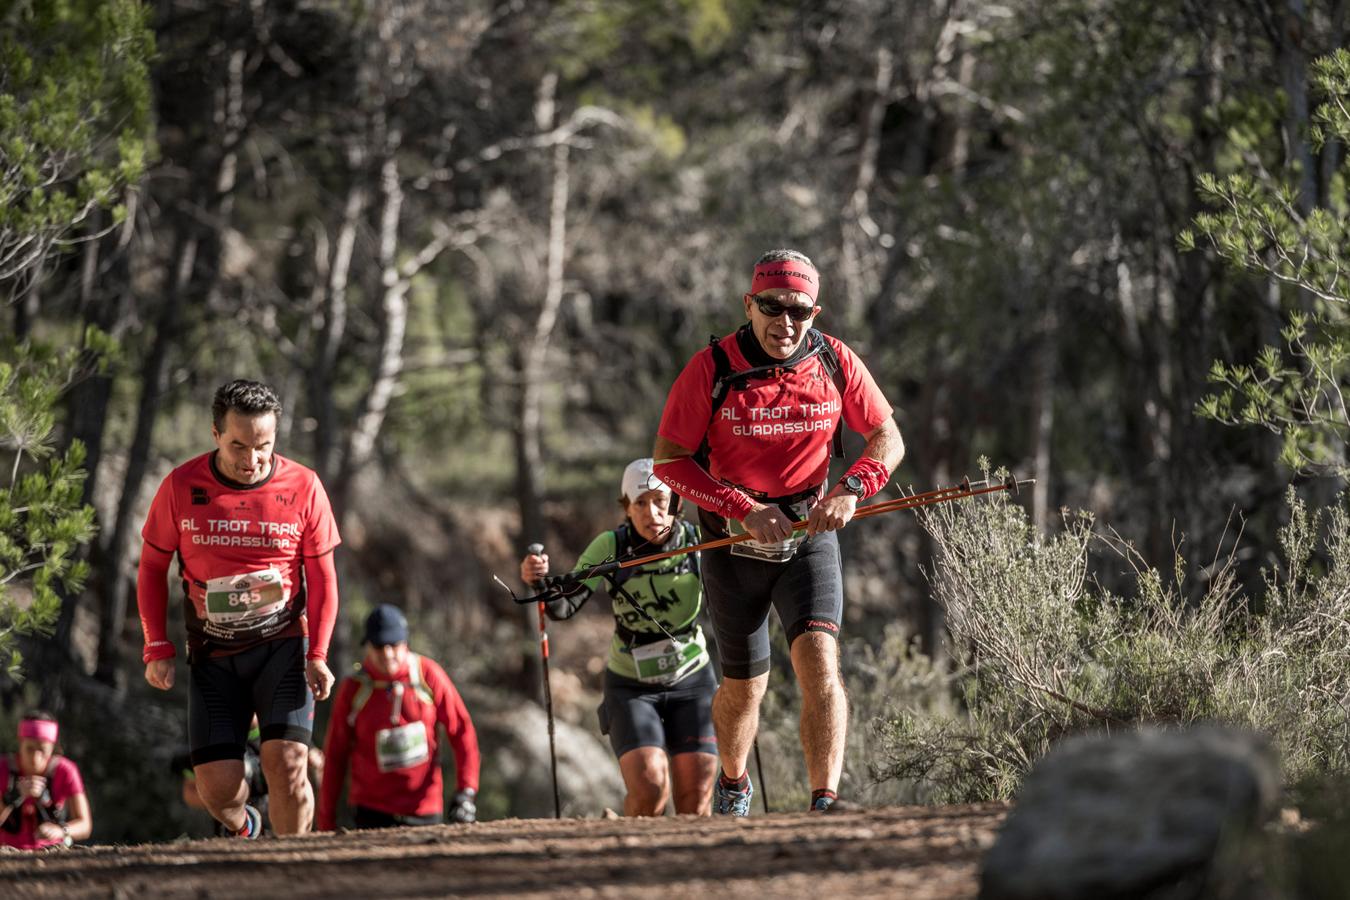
854 485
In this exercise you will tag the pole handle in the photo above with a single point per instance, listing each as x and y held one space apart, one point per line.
536 549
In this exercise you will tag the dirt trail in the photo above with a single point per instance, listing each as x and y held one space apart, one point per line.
914 852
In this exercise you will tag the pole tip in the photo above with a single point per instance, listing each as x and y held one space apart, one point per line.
535 549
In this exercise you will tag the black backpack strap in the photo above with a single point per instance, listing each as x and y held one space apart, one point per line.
623 543
721 385
835 369
690 539
724 379
721 373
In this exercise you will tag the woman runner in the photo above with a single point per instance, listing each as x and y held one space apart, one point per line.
43 804
658 683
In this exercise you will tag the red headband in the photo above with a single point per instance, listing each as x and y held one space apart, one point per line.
792 274
38 729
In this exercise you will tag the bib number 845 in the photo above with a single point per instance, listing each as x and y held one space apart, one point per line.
245 598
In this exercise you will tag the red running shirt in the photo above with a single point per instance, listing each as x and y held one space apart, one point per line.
414 789
241 551
773 437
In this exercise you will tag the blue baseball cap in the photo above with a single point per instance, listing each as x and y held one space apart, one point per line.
386 625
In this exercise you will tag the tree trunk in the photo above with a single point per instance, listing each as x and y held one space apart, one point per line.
1043 411
1294 79
393 327
103 304
192 234
154 382
860 231
331 333
529 442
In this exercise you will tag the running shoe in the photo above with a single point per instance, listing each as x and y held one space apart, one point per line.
833 804
727 801
253 826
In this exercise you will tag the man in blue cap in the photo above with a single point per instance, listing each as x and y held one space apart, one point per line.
383 724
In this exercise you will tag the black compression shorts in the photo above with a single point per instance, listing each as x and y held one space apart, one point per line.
807 591
225 691
676 718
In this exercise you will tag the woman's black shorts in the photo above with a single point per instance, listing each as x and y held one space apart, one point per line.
676 717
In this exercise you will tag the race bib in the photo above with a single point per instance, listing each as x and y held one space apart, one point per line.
235 600
401 747
779 551
666 662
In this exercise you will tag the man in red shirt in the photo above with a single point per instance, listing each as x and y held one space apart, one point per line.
254 535
383 724
746 435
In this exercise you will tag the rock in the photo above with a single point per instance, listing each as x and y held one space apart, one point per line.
513 737
1154 813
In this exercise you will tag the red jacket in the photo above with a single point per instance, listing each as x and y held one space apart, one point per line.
412 789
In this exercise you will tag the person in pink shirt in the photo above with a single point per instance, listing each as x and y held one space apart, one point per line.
44 804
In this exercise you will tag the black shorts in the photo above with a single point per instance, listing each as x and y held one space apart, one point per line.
225 691
807 591
675 717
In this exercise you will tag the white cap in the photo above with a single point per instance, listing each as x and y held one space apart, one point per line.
639 478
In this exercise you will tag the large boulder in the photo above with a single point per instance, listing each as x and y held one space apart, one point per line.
1153 813
517 773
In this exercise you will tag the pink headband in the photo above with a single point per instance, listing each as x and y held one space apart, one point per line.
40 729
786 273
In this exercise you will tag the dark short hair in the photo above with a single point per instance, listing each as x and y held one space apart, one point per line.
38 715
783 254
248 398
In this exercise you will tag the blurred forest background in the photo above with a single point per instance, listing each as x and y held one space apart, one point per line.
472 243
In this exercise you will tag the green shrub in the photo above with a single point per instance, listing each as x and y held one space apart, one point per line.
1043 651
882 677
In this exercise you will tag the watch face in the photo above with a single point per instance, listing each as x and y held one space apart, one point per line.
853 484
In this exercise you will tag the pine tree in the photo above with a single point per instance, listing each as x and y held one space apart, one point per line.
42 521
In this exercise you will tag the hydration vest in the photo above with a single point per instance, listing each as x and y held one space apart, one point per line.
47 811
725 379
368 686
624 542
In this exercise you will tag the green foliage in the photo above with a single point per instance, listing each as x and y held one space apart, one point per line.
42 519
74 117
1256 225
1301 400
593 34
1332 76
1045 652
887 677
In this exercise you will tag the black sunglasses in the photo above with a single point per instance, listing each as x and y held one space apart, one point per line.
773 309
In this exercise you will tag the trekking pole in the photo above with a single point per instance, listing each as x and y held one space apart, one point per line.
763 787
538 550
966 488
